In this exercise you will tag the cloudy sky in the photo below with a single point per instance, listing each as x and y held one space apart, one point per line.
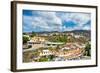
39 21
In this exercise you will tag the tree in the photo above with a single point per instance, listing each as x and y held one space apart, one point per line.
24 33
29 46
33 34
50 57
25 39
88 49
54 34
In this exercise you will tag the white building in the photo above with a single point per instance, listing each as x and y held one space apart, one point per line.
78 36
45 53
52 44
65 48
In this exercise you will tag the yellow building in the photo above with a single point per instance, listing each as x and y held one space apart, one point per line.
38 39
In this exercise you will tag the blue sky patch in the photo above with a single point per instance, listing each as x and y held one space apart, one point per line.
39 21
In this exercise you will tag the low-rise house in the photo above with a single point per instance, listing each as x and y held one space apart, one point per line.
36 42
78 36
66 48
45 53
70 34
52 44
37 39
74 53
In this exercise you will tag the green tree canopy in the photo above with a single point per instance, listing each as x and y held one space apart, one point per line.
88 49
25 39
33 34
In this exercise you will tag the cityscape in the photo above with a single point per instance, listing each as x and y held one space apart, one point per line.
50 36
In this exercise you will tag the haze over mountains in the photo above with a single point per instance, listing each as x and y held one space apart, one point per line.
74 31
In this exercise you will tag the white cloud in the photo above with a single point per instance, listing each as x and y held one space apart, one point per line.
86 28
50 21
79 18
